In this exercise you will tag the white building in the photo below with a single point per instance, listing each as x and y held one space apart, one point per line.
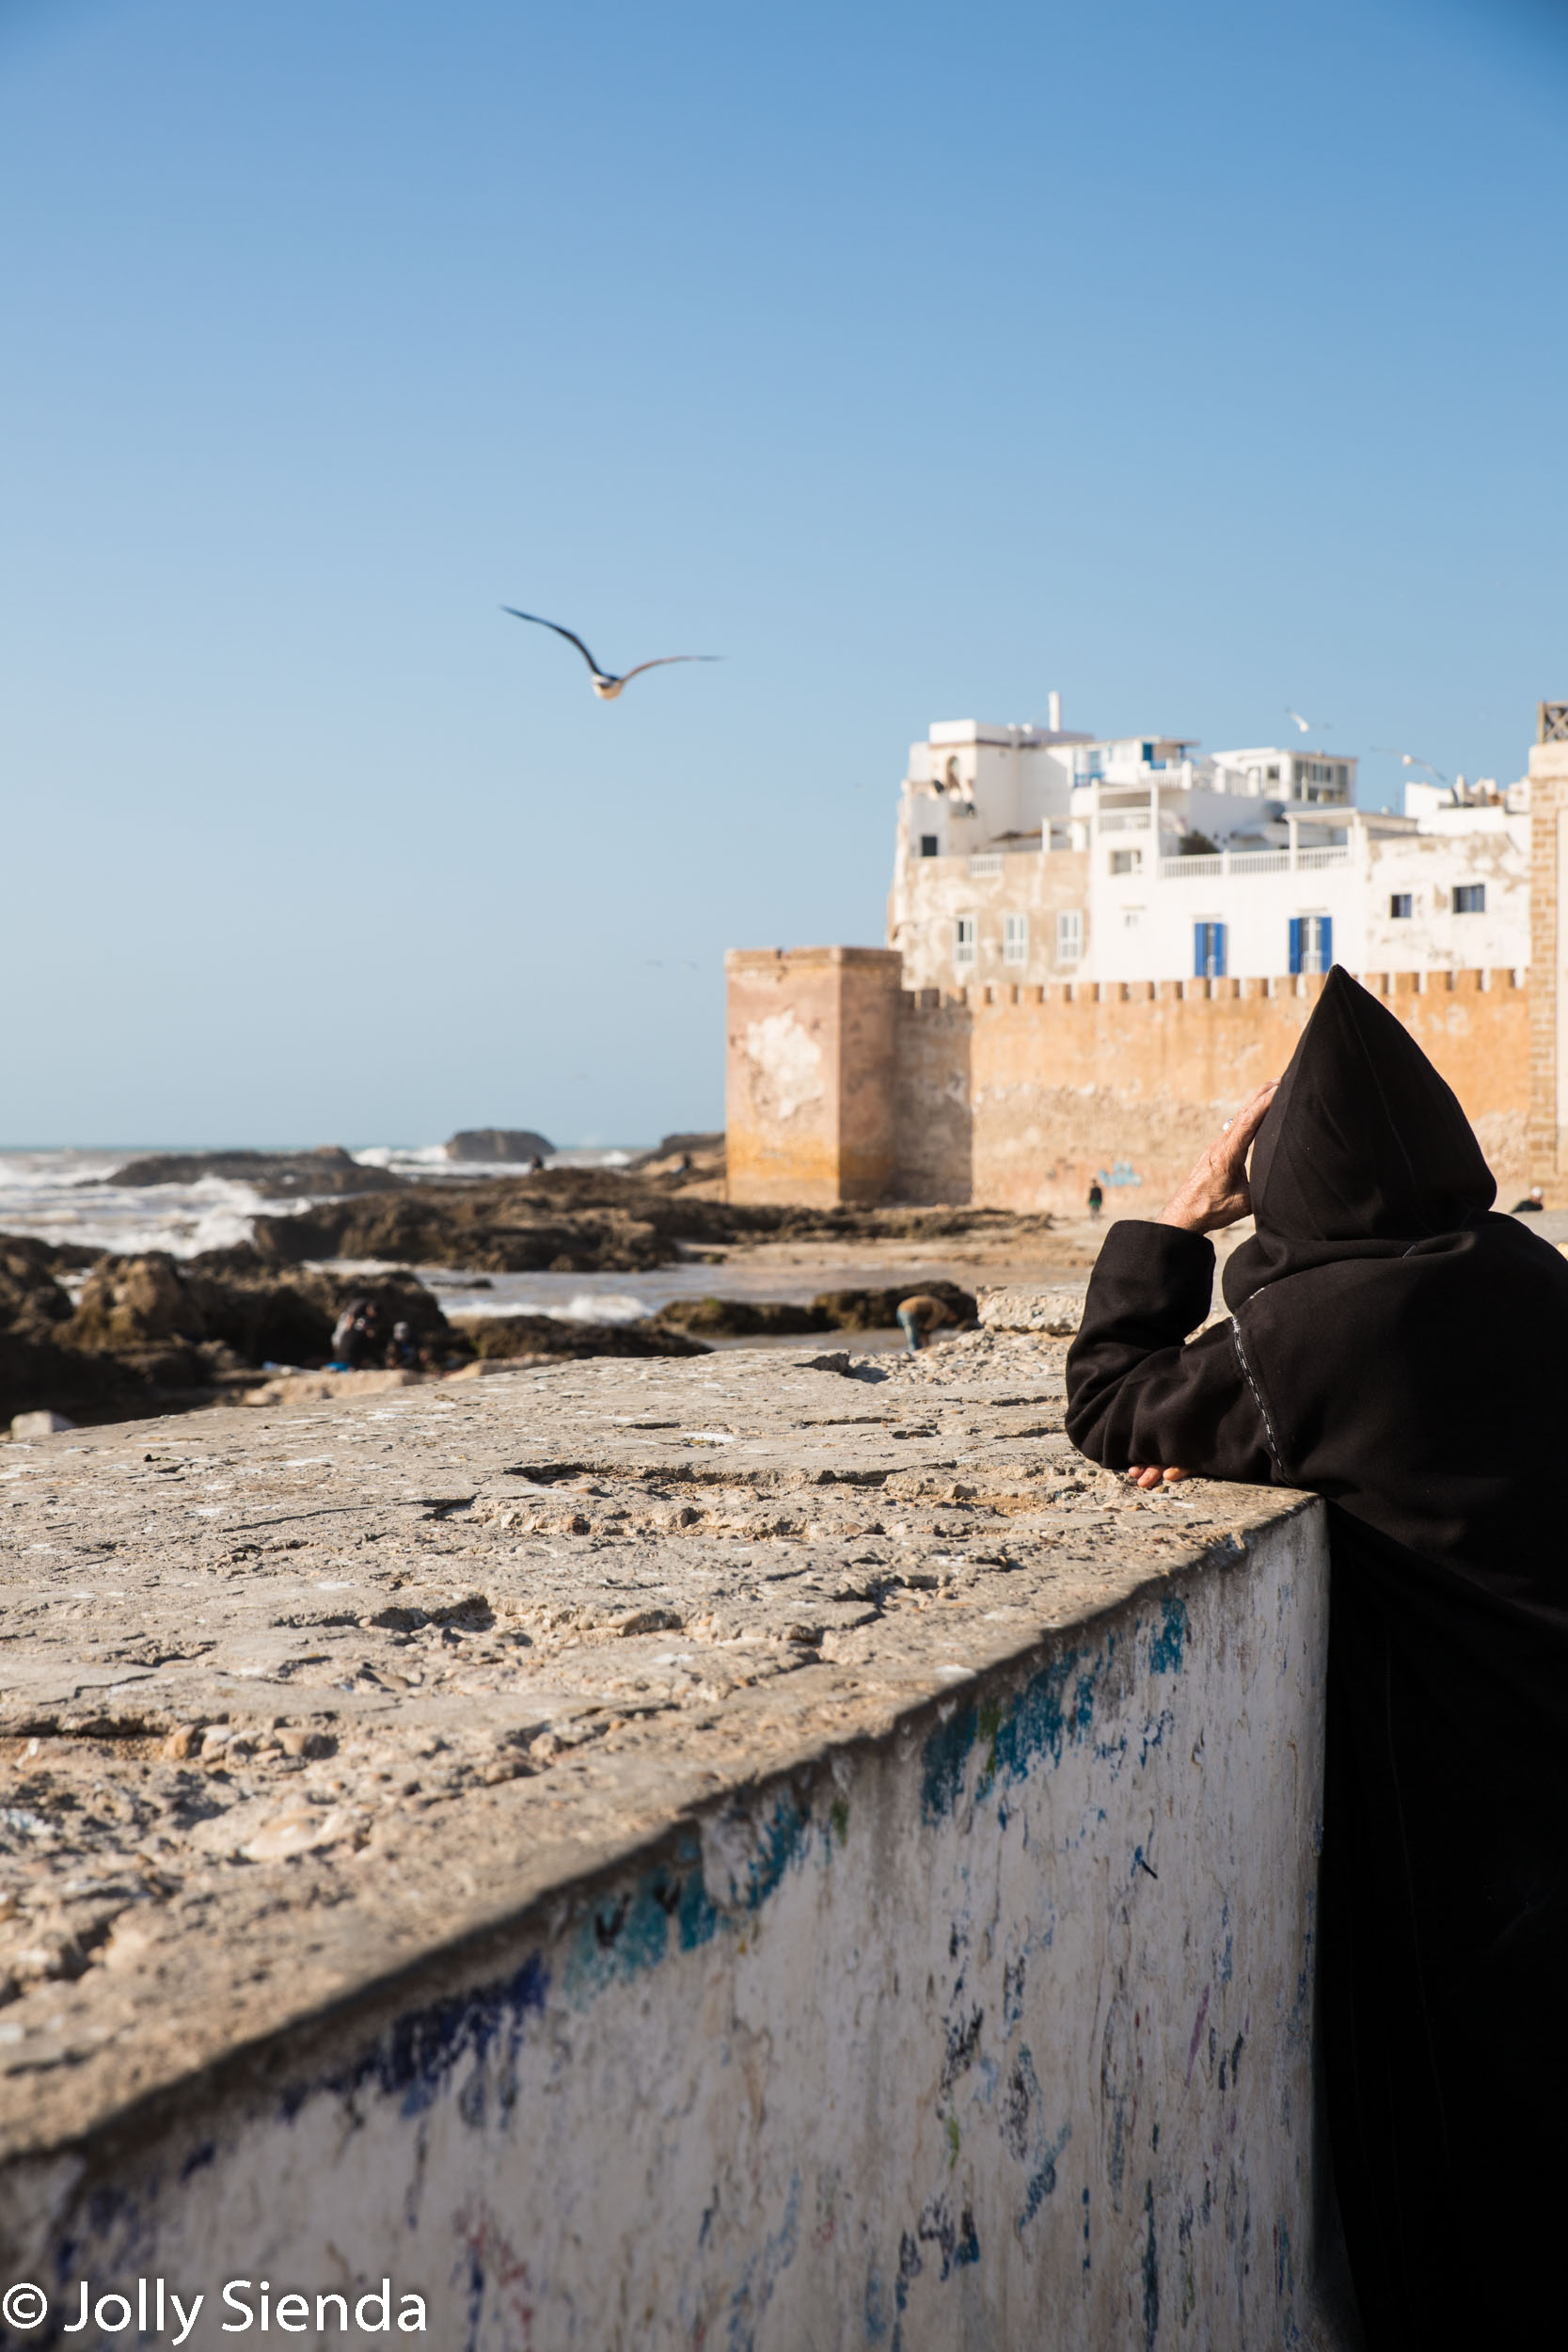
1032 854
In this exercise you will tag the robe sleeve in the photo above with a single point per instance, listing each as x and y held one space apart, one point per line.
1135 1393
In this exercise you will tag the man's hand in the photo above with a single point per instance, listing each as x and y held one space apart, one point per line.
1216 1192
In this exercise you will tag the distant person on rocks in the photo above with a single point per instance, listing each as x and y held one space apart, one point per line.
1399 1349
356 1335
919 1316
401 1350
535 1165
1528 1208
1097 1197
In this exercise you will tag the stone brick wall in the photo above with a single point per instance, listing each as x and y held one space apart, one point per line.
1549 1093
1019 1096
808 1027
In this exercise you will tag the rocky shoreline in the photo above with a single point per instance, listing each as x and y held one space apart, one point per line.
156 1333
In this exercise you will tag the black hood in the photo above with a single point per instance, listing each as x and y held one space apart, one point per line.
1364 1152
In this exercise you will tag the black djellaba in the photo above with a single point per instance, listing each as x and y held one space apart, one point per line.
1400 1350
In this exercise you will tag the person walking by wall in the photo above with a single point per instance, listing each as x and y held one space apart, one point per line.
1097 1197
1397 1348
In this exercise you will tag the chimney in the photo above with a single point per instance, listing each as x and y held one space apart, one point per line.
1053 707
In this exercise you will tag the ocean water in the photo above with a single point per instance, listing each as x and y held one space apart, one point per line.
63 1197
67 1195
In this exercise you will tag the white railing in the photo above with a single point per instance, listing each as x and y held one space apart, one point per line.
1125 820
1251 861
1260 861
986 862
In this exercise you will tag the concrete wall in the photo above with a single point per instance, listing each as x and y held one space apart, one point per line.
997 2030
1016 1096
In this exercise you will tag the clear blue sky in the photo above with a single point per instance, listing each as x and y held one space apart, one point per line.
918 359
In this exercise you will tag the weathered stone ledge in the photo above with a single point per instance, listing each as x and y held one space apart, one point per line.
314 1719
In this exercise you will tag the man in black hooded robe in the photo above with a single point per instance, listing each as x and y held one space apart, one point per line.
1400 1351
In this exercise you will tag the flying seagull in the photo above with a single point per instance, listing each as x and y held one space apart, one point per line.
1306 726
606 684
1409 759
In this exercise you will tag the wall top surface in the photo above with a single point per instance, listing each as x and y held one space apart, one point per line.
765 958
302 1709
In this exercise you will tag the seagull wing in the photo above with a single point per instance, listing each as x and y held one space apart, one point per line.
570 635
665 659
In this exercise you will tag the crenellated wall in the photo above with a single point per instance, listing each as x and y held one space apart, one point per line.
1020 1096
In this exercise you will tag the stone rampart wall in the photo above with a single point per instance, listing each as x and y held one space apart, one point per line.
1019 1096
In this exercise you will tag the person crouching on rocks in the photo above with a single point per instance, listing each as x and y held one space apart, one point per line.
1399 1349
919 1316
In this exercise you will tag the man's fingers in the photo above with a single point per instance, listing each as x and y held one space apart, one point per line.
1251 1117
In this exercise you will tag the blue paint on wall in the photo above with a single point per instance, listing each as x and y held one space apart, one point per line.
629 1932
1165 1648
414 2061
1056 1709
785 1840
942 1763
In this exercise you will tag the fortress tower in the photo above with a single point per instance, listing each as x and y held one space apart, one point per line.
1549 1044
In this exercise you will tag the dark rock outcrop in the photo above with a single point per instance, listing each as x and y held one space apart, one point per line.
329 1171
498 1143
878 1310
497 1339
32 1302
829 1310
234 1300
570 1220
152 1333
742 1318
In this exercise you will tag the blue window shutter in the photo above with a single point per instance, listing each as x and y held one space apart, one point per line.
1326 929
1295 943
1199 942
1219 951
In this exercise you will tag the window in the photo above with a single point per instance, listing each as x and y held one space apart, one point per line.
1311 943
1069 935
930 844
963 939
1401 906
1470 899
1015 939
1131 918
1208 951
1126 861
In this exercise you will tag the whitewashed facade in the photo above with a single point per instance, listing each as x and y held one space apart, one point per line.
1026 855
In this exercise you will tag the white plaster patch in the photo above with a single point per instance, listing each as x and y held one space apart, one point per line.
787 1063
